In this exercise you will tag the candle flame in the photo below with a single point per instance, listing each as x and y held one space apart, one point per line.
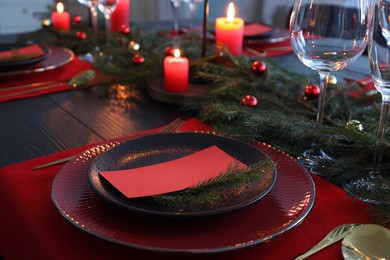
60 7
176 53
230 13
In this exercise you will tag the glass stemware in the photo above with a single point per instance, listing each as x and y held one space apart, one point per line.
92 5
192 8
107 7
176 6
328 38
371 188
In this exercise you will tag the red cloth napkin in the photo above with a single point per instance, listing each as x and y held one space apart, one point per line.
27 52
268 49
255 29
50 77
32 228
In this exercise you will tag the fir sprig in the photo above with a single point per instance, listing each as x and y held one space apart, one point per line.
210 192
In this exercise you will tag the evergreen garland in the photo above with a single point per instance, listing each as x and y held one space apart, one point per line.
282 119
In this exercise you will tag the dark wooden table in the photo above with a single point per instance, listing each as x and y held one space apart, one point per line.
43 125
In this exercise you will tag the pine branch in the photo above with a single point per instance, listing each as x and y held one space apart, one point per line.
212 191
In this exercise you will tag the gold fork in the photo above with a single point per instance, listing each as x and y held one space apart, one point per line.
171 127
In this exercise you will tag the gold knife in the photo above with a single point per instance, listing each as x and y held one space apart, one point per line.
54 162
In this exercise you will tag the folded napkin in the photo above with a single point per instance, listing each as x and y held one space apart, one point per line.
22 53
41 80
256 29
268 49
171 176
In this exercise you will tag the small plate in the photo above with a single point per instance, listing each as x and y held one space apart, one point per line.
12 64
162 147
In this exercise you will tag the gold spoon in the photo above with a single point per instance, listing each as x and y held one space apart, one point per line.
368 241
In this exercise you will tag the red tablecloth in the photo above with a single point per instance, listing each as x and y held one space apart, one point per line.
32 228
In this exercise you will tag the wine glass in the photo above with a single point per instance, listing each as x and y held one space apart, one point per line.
107 7
176 6
192 8
92 5
328 38
372 187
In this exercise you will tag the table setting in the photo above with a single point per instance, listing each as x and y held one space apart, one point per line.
147 141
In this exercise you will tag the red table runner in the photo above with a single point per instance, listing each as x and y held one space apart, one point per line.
32 228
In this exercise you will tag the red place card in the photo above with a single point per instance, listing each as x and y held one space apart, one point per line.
171 176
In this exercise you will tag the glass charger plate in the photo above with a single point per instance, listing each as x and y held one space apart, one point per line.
14 64
163 147
285 207
56 57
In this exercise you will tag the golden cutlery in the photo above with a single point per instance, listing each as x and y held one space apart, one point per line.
32 85
171 127
332 237
369 241
33 90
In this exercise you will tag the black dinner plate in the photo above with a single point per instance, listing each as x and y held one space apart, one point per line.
162 147
13 64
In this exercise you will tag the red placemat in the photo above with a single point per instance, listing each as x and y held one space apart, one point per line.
40 83
32 228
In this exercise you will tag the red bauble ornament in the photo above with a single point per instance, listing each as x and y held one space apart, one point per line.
259 67
249 100
312 91
169 51
81 35
138 59
77 19
124 29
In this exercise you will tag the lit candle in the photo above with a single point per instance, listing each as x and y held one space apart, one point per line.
120 16
176 73
229 31
60 19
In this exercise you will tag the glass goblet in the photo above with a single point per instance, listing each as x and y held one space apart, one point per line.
372 187
92 5
176 6
328 38
107 7
192 8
